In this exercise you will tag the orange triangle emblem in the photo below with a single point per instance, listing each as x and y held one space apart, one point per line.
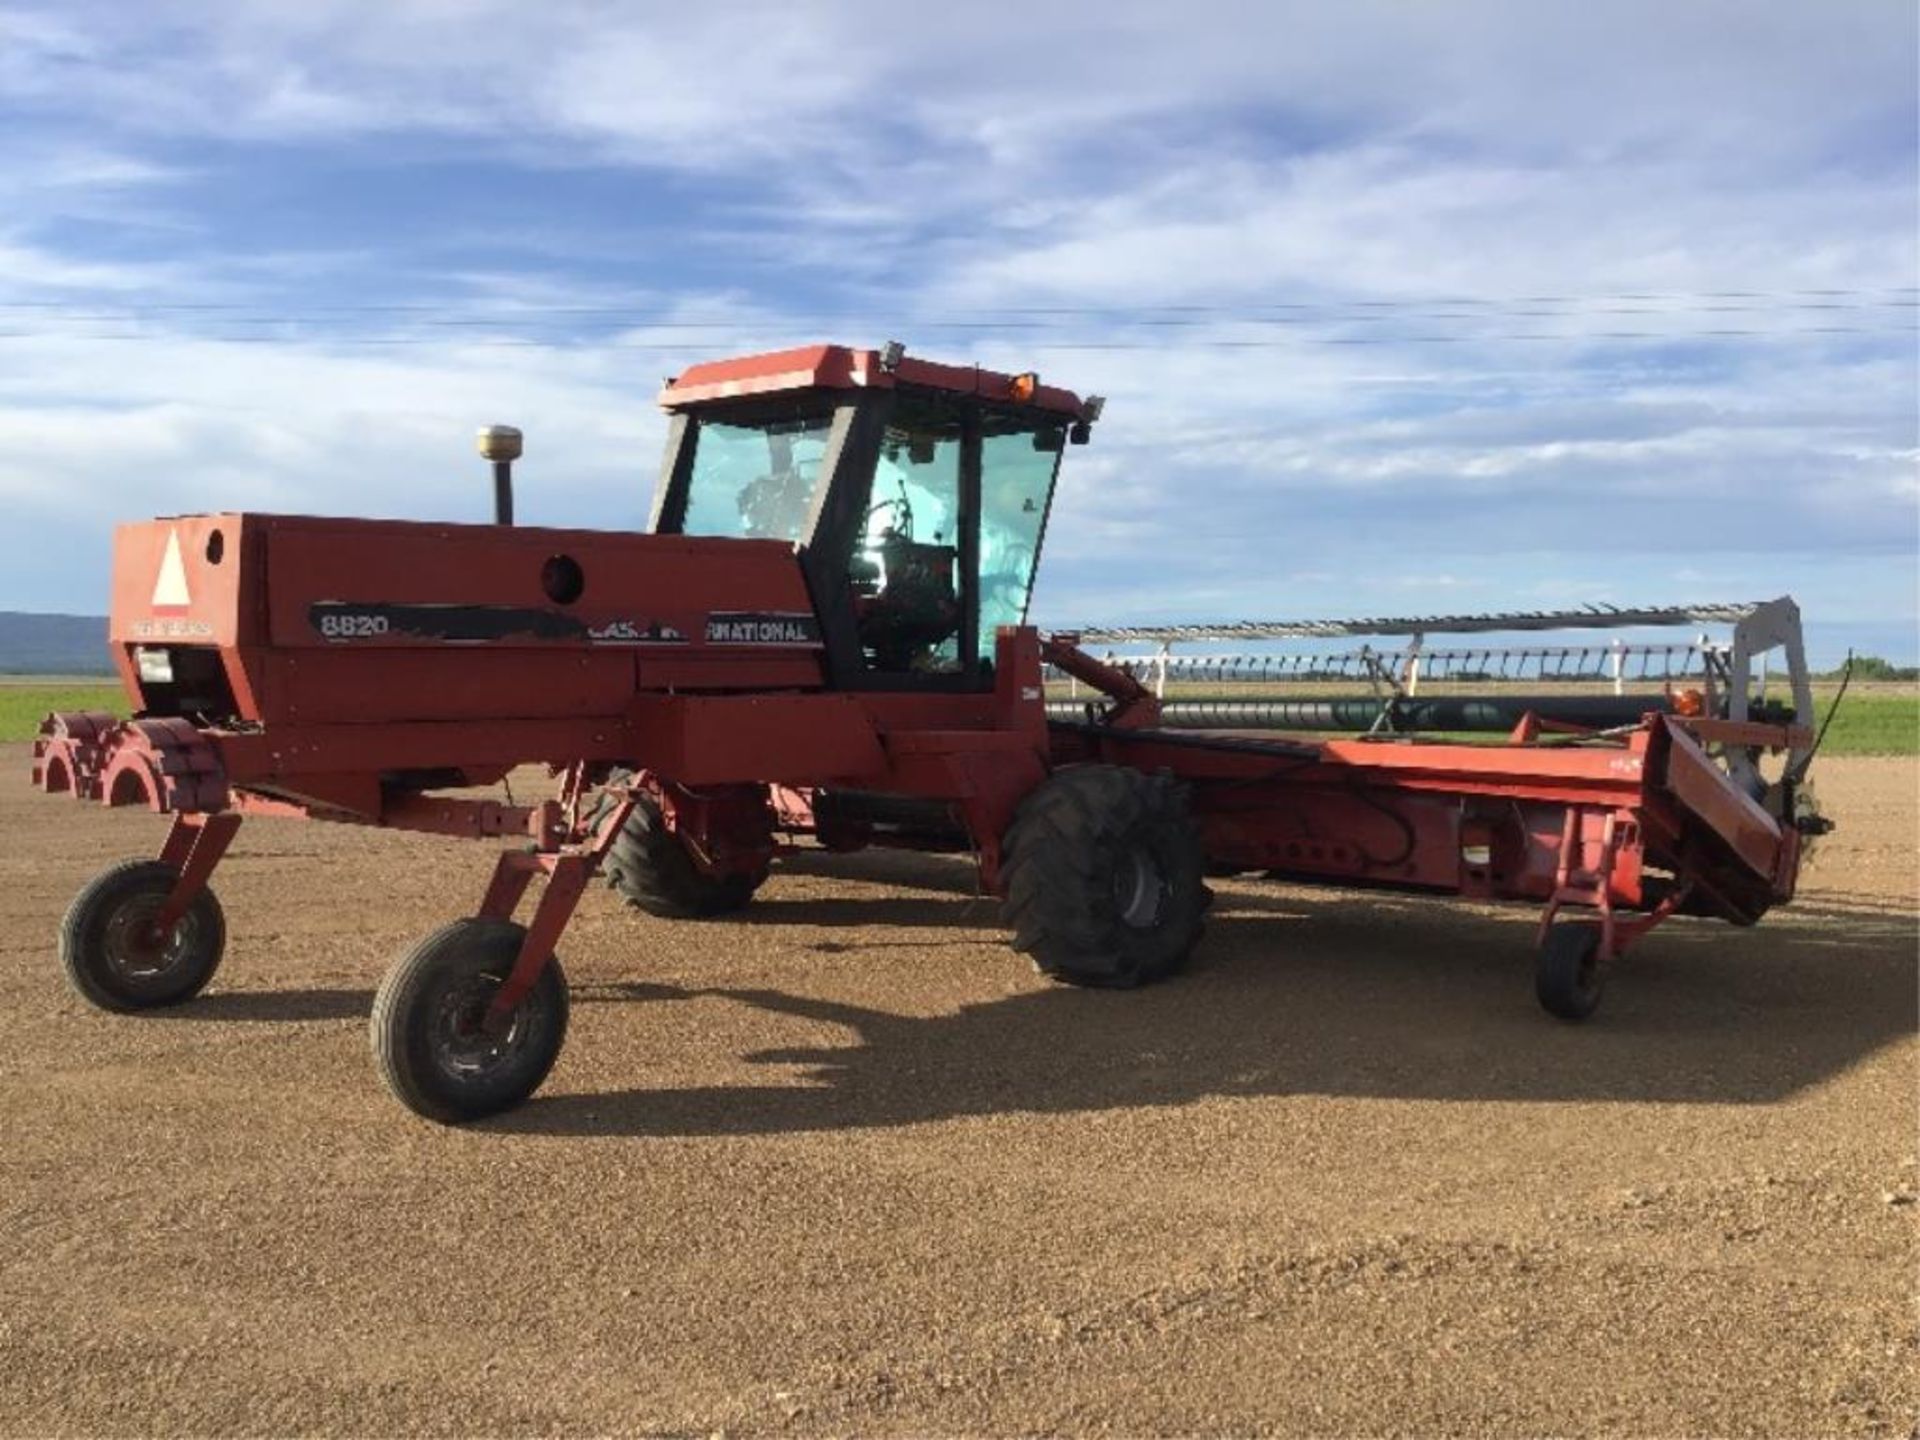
170 590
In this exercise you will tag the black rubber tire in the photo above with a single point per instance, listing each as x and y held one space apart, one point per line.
651 870
423 1028
101 952
1102 873
1568 976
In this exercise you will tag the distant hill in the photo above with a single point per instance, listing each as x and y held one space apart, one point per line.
53 644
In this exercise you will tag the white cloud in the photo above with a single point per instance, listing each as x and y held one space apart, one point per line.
747 80
884 165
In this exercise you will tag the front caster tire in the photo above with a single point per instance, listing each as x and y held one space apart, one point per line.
649 867
1568 976
113 956
1103 874
429 1031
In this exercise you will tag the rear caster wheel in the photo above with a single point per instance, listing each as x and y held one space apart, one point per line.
117 958
431 1036
1568 976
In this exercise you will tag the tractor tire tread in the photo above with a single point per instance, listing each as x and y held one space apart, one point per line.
1064 841
78 942
1568 980
649 868
391 1032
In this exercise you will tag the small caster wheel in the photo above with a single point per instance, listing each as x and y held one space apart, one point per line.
115 955
431 1036
1568 977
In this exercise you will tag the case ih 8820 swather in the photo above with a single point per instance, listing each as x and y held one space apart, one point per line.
824 633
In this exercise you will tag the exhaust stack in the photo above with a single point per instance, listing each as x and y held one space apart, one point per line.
501 444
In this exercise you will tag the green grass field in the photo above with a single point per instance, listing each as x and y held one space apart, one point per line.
1871 721
24 703
1872 724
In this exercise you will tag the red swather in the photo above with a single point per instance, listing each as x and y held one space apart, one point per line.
701 696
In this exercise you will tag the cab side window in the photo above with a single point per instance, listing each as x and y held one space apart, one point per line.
755 479
1017 467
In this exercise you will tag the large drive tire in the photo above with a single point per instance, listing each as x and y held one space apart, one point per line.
428 1032
1569 977
1102 872
113 958
652 871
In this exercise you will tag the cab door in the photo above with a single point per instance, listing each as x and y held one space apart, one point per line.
932 539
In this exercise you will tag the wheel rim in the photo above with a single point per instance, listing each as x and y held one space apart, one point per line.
1139 889
464 1045
135 950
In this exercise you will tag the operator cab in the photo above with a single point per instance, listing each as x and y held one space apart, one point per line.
915 496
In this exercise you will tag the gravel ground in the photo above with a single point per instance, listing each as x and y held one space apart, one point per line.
847 1166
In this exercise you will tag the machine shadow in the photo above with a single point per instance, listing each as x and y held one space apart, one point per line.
946 890
852 911
936 871
270 1005
1336 997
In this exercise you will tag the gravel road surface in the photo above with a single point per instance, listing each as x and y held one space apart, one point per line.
847 1166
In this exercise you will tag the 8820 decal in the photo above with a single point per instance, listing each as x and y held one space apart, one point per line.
349 624
353 627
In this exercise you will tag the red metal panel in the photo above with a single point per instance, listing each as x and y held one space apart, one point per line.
838 367
900 711
474 683
1703 789
988 384
352 685
1744 732
718 669
643 581
180 581
829 366
1393 814
253 758
722 739
1336 833
956 742
1538 771
1610 776
799 738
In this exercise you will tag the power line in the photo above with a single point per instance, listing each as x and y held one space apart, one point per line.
545 321
1262 312
506 342
1574 336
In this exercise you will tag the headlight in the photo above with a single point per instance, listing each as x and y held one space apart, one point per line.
155 666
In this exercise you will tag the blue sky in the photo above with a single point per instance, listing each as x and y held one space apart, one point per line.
1401 308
